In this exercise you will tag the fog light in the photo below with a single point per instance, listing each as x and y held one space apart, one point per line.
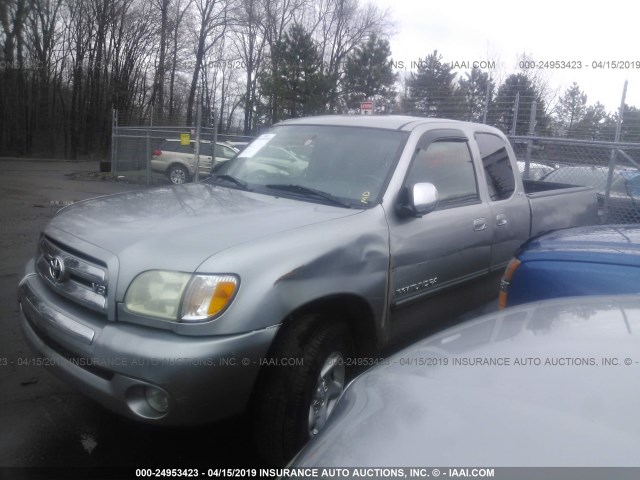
156 399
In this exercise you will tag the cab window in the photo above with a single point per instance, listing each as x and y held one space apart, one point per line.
448 165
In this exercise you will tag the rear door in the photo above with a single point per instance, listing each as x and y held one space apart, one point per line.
510 216
206 158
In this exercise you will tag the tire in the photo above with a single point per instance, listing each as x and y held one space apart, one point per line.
178 174
292 402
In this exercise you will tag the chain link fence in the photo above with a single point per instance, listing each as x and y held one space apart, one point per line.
612 169
169 154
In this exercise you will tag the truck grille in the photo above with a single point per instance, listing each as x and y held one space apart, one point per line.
73 275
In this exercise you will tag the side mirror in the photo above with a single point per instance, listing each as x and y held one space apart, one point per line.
420 199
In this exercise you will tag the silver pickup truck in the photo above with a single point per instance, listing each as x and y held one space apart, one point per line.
261 289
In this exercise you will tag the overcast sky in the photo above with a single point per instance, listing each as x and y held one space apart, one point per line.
467 31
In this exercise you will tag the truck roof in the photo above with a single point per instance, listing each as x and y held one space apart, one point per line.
390 122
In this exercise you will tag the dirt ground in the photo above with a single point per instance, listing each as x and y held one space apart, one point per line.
43 422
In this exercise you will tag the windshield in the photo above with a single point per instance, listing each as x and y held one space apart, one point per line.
347 164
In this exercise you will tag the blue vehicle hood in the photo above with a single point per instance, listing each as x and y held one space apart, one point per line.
618 244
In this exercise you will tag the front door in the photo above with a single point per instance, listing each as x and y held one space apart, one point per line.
447 247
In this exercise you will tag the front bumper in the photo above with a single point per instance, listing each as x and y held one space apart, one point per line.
203 378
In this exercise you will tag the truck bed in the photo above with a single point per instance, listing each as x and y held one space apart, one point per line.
557 205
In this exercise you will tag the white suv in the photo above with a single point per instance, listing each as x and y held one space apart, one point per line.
178 161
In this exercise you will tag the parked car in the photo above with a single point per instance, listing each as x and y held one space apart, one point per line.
369 230
536 170
624 198
549 384
600 260
178 161
624 201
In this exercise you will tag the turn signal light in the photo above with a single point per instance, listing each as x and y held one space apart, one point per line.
505 282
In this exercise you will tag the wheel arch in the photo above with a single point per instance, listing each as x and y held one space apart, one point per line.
178 163
279 397
355 311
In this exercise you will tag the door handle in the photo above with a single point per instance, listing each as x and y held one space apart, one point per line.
479 224
501 220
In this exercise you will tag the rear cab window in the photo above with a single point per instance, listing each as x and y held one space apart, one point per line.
501 182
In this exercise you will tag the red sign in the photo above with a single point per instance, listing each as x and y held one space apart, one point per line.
366 108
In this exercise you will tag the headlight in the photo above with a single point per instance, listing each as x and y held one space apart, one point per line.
177 296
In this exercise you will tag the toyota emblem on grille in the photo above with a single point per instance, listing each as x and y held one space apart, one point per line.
57 269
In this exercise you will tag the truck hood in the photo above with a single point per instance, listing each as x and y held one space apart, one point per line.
179 227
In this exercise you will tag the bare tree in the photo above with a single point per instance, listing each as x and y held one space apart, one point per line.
13 14
251 42
212 24
95 55
224 72
181 9
157 96
42 32
278 16
339 27
77 38
541 80
130 58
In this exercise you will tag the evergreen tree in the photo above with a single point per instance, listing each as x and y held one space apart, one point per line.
473 90
630 125
431 89
595 124
295 85
368 75
519 86
571 109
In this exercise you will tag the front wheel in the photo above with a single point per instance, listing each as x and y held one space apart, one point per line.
329 386
300 385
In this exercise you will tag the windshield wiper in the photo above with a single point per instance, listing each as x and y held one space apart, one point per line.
232 179
309 192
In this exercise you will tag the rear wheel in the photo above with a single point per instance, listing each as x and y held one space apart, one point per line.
300 385
178 174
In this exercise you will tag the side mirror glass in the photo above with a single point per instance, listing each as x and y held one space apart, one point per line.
421 198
